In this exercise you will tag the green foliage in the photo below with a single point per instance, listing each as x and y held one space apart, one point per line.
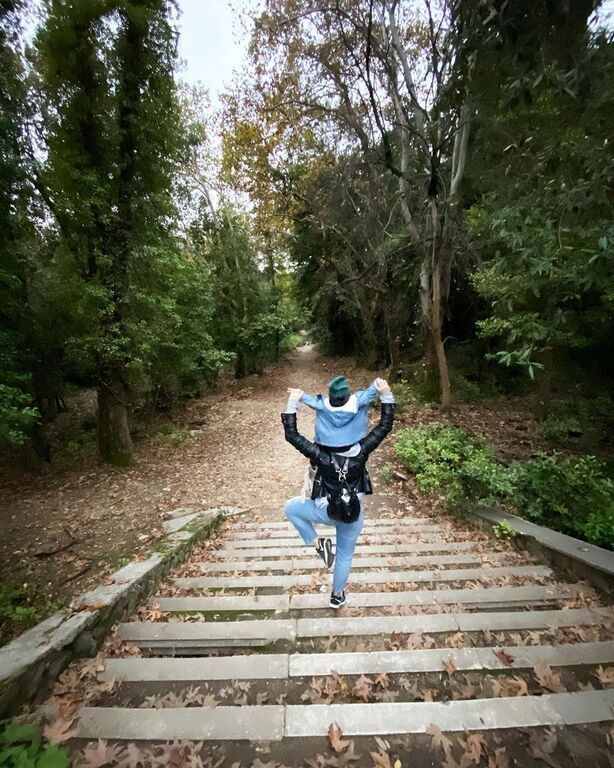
404 395
291 341
503 530
21 747
574 496
251 316
446 461
385 471
12 609
571 495
543 225
580 420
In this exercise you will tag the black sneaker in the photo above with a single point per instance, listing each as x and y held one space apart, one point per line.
325 550
337 601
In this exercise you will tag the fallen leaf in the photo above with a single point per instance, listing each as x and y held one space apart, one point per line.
605 676
473 747
363 688
504 657
449 666
59 731
381 759
439 739
549 679
509 686
335 738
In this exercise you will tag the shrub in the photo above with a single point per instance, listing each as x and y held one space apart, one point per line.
20 747
404 395
446 460
11 609
574 496
385 474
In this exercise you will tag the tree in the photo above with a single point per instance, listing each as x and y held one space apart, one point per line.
354 260
383 76
539 179
17 414
115 141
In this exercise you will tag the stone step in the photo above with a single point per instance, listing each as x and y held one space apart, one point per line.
315 564
368 577
361 549
183 635
388 539
274 722
555 709
282 666
368 530
500 596
374 521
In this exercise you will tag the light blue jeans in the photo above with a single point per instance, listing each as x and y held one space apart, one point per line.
304 513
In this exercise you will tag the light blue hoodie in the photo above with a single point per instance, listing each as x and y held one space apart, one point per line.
344 424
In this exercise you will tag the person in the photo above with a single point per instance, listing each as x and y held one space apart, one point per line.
342 418
303 513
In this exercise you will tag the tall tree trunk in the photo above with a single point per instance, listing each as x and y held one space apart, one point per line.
114 441
436 322
394 342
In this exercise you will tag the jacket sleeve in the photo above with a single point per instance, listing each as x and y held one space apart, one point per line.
306 447
379 432
310 401
367 396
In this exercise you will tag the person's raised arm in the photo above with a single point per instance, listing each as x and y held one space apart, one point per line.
309 400
379 432
368 395
291 433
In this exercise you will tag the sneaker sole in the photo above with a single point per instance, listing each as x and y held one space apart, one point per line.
325 559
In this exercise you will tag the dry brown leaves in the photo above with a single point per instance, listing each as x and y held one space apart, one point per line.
549 679
504 657
449 666
508 686
335 738
605 676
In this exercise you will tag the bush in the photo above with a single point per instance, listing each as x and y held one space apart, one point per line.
12 610
574 419
574 496
403 395
291 341
446 460
20 747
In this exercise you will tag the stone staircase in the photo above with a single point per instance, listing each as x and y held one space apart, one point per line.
446 630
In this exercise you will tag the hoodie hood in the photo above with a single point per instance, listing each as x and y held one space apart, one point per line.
340 415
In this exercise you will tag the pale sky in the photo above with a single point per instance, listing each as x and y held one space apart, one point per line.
213 41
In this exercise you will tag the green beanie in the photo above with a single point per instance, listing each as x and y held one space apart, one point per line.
339 388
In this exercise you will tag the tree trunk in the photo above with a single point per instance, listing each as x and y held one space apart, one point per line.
442 362
436 323
114 441
544 385
370 339
394 343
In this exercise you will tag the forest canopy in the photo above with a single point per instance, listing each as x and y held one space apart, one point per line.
427 185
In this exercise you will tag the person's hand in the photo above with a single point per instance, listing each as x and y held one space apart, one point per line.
295 394
382 386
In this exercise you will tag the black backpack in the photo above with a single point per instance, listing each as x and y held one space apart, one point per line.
343 503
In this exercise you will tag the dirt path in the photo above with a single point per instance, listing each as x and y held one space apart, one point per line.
64 531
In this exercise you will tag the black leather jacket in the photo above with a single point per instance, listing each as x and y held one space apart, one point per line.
326 475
